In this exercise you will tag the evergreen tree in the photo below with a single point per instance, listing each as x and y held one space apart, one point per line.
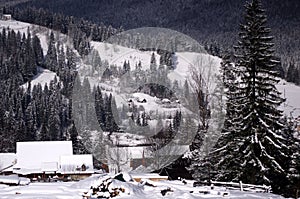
153 63
51 57
252 145
293 186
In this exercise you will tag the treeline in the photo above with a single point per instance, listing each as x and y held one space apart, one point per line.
213 23
80 30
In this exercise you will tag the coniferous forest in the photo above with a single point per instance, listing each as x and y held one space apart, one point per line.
257 143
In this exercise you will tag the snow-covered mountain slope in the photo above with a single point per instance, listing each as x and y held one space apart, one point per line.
43 77
116 54
40 31
15 25
23 27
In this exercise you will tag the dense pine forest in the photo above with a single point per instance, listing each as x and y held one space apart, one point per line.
257 142
213 23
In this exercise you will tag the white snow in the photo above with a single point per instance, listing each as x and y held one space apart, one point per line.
207 64
69 164
291 92
43 77
32 155
14 180
133 190
15 25
116 54
7 160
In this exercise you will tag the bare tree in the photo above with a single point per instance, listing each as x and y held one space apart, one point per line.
162 155
118 157
206 95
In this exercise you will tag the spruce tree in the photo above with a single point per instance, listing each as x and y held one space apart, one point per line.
252 144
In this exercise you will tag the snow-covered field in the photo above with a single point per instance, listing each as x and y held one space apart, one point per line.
132 190
43 77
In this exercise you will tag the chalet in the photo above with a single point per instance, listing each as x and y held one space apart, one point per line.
6 17
51 158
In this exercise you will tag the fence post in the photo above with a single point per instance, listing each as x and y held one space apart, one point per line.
241 186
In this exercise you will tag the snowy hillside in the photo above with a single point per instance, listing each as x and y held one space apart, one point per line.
116 54
43 77
15 25
137 105
23 27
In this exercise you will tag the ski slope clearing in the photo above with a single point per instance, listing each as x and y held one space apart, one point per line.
43 77
116 54
15 25
145 189
41 32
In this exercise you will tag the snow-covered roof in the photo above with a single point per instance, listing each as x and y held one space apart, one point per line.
49 166
74 163
33 155
7 160
165 100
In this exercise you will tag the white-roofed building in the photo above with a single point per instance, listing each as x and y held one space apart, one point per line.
49 158
6 17
40 157
76 164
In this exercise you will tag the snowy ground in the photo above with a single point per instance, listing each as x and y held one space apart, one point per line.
43 77
133 190
291 93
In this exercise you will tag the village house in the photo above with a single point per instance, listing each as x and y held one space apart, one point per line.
6 17
48 159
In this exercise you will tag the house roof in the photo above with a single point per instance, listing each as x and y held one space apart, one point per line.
35 155
7 160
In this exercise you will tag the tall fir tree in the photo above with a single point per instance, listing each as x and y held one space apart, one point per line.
252 147
51 57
